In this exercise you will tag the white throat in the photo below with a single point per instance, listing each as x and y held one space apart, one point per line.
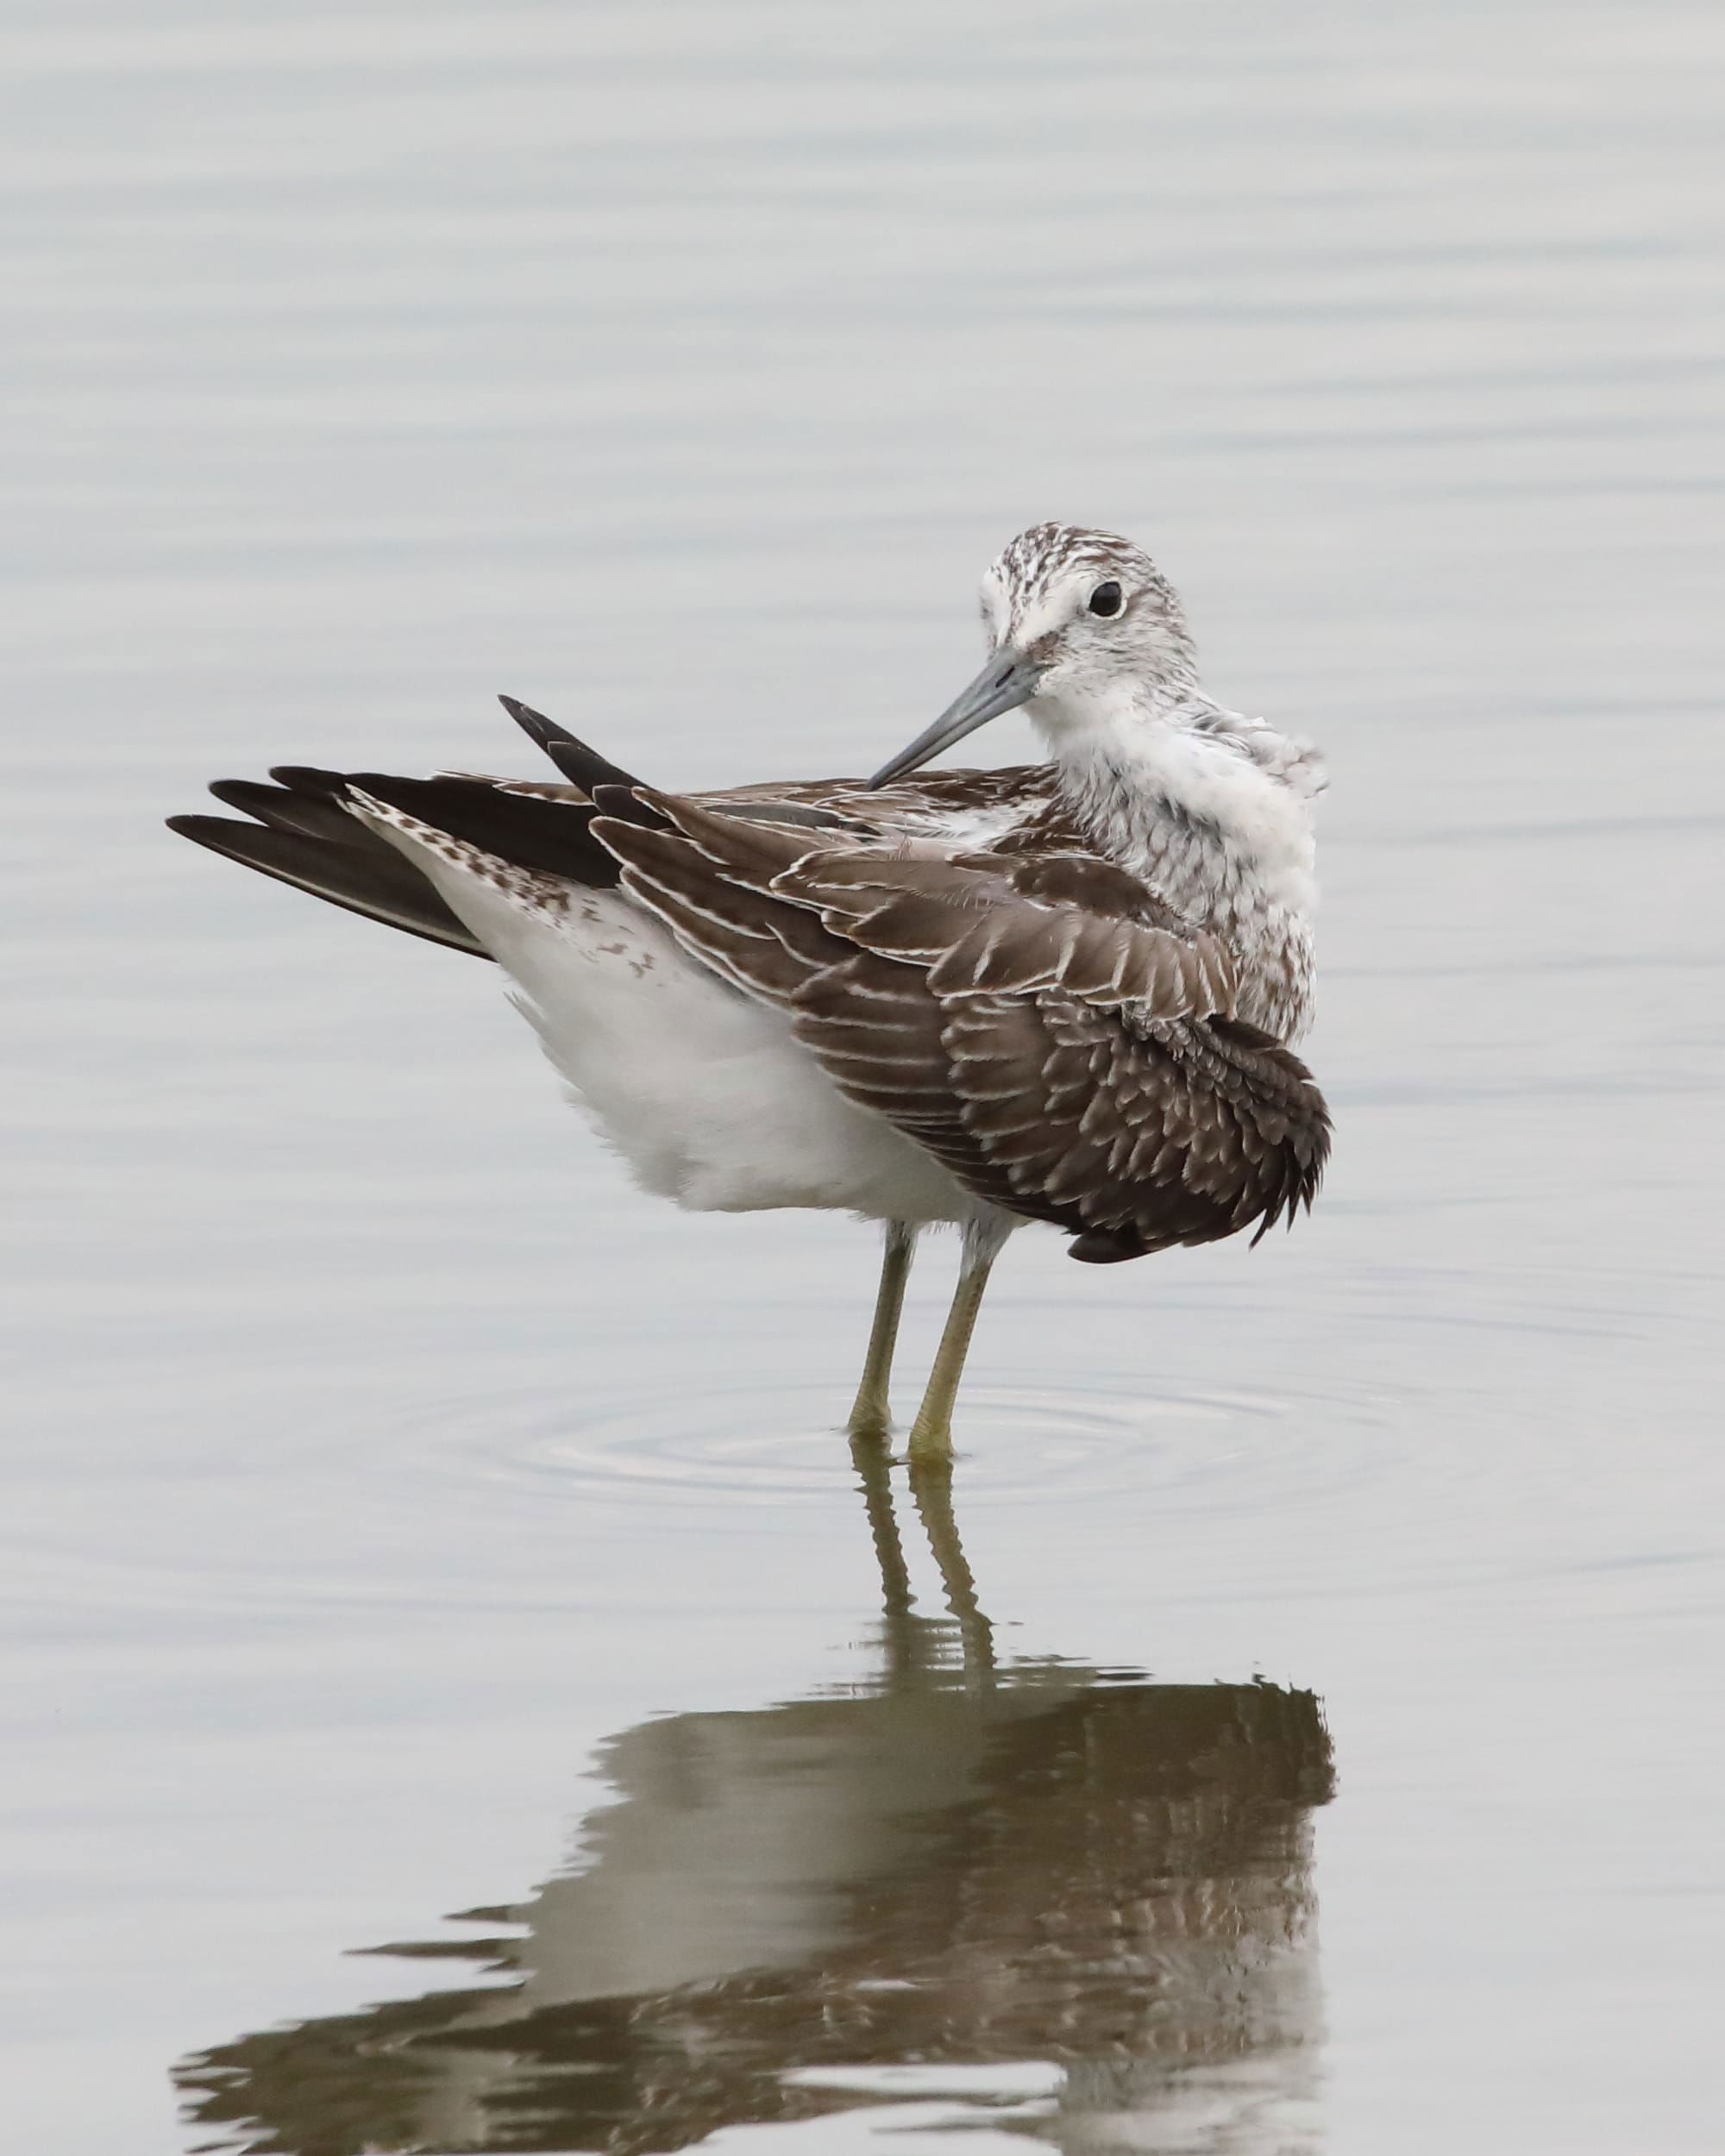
1213 810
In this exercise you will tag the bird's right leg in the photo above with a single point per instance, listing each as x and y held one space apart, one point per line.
872 1414
931 1437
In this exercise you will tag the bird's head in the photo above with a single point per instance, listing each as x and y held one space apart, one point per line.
1078 623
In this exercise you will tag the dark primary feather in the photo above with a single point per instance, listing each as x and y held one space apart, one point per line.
305 837
581 765
526 829
375 881
313 816
303 778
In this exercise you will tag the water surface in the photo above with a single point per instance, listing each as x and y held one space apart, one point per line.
1293 1729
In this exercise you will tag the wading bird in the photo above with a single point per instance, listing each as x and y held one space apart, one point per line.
1063 992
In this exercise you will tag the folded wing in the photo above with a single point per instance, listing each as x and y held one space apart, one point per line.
1042 1023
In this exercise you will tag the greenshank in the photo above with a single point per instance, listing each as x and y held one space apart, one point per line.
1064 993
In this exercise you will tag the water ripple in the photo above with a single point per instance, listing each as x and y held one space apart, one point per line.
762 1445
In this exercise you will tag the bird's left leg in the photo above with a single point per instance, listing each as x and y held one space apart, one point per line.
931 1435
872 1414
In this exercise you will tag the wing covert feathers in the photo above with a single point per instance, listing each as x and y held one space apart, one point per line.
1041 1023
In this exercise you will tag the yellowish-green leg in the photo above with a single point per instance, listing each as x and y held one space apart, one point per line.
931 1435
872 1414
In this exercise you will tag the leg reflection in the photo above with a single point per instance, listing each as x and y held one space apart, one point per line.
959 1862
931 1490
872 1459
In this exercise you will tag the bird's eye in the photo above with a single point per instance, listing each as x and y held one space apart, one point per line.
1105 600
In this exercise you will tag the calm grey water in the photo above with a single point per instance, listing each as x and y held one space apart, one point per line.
1298 1728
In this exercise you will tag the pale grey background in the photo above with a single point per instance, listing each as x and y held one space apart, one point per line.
374 1450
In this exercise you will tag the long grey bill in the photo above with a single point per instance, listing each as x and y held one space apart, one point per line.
1009 678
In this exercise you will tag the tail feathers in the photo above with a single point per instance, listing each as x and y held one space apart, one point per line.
371 878
305 834
305 778
525 829
311 815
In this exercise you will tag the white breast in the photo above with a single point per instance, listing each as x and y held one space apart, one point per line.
1204 816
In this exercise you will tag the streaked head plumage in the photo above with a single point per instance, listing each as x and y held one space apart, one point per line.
1080 622
1089 596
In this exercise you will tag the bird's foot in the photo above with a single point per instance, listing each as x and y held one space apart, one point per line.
929 1443
871 1420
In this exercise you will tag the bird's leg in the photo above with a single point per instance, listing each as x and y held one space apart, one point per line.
872 1414
931 1435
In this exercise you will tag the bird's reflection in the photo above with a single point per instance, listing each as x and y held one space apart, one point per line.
1075 1898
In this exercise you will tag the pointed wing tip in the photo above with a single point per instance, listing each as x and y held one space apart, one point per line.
537 727
581 766
309 778
245 794
228 836
220 832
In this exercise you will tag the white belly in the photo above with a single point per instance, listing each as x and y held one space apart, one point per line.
702 1090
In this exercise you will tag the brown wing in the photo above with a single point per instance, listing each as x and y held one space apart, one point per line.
1036 1022
1136 1135
928 797
299 831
